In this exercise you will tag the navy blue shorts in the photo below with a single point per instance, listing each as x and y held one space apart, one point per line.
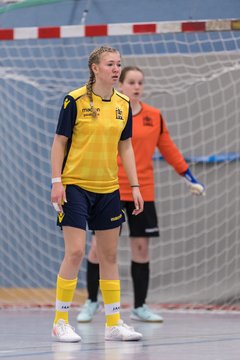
99 211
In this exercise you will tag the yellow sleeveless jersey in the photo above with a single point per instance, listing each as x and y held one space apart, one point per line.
91 154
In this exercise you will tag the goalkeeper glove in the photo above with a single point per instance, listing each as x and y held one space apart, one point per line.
195 187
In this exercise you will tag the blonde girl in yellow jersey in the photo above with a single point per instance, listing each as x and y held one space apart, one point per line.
95 124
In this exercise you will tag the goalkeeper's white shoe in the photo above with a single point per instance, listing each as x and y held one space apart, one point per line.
144 313
64 332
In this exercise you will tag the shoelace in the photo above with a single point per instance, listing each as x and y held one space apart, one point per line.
63 327
85 306
121 323
147 311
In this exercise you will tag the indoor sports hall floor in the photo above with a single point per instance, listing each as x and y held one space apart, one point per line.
25 334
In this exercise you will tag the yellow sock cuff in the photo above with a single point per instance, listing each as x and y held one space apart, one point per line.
109 285
112 320
66 284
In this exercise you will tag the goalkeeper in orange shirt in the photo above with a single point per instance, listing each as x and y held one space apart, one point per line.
149 132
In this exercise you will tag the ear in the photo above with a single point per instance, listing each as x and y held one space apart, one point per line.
94 68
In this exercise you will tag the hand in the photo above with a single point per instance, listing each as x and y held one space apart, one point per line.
58 196
138 201
195 186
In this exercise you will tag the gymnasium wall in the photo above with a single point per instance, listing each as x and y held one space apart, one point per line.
68 12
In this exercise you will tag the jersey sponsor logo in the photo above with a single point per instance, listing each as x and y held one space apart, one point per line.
88 112
116 217
147 121
60 217
119 114
65 104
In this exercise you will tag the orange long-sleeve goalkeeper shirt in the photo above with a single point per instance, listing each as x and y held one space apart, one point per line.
149 131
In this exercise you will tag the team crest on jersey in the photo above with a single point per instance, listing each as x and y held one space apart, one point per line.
65 104
147 121
119 114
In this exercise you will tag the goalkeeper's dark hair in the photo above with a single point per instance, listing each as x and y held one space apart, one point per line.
126 69
95 58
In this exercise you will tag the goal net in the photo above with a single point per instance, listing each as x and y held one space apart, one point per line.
192 73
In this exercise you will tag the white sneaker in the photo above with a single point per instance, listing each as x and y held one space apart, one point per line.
64 332
121 332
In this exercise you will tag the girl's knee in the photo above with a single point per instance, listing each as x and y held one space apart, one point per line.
75 256
110 258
